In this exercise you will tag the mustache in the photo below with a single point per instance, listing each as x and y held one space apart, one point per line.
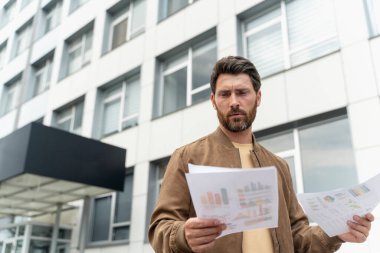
236 110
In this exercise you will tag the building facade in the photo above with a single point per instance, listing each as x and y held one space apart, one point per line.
135 74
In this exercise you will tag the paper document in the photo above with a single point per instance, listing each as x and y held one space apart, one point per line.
332 209
242 199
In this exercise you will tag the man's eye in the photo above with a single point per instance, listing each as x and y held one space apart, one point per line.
224 94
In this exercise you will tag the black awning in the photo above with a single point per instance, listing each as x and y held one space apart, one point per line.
41 167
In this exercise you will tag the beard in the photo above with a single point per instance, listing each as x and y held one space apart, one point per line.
237 124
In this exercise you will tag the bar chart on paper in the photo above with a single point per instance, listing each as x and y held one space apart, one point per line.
219 199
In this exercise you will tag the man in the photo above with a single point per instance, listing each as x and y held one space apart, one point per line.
236 94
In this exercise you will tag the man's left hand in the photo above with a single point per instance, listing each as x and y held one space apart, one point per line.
359 229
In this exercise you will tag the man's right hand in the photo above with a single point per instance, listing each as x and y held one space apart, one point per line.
201 233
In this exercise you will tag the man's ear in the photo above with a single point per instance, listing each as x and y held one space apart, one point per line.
258 98
212 98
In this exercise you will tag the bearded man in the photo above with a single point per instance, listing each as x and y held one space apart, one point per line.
235 85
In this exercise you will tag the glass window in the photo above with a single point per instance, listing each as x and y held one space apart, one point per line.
39 246
318 155
126 22
8 12
41 76
70 118
22 39
289 34
112 214
79 52
186 76
168 7
25 3
75 4
52 16
10 96
372 8
42 231
120 106
3 49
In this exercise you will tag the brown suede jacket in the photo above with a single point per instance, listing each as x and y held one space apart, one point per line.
174 206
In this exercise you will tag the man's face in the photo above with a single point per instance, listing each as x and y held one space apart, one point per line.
235 101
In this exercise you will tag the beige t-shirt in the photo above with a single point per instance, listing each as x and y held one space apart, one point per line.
258 240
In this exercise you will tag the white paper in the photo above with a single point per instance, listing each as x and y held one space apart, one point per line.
242 199
332 209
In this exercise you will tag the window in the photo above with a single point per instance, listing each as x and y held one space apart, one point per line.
372 8
52 16
156 175
186 76
111 215
23 37
289 34
168 7
10 96
126 21
3 51
320 155
70 117
41 76
120 105
75 4
8 12
78 52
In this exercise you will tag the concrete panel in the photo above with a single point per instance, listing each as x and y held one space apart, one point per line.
365 123
126 139
143 142
138 216
367 162
147 248
375 55
200 17
33 109
315 87
226 10
359 73
170 32
166 135
199 120
88 113
6 123
45 44
242 5
274 106
14 67
351 23
227 32
140 178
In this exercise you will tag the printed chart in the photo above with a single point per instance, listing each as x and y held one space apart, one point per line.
242 199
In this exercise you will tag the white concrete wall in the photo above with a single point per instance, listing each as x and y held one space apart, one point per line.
348 78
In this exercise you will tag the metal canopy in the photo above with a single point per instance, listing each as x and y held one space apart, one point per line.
42 167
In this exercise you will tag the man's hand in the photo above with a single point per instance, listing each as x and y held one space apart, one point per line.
359 229
201 233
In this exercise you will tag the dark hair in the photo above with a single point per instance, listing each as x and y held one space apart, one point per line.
235 65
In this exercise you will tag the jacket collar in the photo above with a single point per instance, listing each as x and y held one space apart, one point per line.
222 139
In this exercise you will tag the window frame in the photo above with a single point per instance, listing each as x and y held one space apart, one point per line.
54 13
21 34
187 63
3 54
373 23
12 86
72 46
112 224
286 49
122 85
73 110
294 128
76 4
9 15
163 12
45 70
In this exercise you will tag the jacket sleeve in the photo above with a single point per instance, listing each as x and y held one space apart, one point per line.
166 230
306 238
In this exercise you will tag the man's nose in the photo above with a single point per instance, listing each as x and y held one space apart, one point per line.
234 103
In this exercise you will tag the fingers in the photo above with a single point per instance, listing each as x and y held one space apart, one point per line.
361 227
201 233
